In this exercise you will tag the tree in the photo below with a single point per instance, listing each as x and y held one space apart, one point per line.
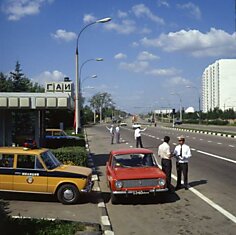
5 83
99 100
20 83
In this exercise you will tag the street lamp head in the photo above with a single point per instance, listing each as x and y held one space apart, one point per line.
99 59
104 20
94 76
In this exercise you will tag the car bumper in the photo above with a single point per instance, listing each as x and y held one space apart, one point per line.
140 192
88 187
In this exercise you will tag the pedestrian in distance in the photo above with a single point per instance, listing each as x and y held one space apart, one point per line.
165 154
182 154
117 132
137 136
112 132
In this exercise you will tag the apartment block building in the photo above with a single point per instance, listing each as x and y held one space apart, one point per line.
219 85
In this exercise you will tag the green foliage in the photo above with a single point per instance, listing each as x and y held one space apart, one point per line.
72 155
55 117
41 227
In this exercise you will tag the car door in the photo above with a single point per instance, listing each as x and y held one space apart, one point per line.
6 171
30 175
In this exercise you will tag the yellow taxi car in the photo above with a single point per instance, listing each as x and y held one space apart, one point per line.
39 171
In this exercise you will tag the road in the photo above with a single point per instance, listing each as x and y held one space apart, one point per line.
207 208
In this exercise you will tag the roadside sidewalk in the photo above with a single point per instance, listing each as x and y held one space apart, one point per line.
99 145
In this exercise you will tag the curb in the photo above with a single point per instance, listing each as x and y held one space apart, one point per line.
203 132
105 221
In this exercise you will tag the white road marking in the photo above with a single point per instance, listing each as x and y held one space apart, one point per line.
216 156
209 141
231 146
219 143
209 202
214 205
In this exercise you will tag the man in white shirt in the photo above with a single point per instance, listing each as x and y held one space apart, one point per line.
165 154
137 136
117 134
182 153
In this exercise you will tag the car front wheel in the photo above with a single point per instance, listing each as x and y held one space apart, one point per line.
68 194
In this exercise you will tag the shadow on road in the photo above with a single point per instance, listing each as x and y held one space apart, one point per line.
159 198
92 197
198 182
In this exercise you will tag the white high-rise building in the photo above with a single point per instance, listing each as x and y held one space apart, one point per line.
219 85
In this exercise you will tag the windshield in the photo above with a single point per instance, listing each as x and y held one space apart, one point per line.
134 160
50 160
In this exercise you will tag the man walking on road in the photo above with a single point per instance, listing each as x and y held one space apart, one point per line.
137 136
165 154
182 153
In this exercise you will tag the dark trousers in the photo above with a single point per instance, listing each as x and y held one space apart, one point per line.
166 165
139 142
112 138
182 168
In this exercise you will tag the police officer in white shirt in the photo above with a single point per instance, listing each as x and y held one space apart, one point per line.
165 154
137 136
182 153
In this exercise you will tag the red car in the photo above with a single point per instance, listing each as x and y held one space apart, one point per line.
134 171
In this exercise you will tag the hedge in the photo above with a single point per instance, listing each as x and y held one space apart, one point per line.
71 155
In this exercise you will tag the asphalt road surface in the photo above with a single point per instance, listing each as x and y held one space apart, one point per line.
208 207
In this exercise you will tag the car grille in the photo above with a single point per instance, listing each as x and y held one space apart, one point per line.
140 183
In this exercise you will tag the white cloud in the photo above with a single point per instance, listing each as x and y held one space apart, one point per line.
141 10
88 18
213 43
16 9
122 14
135 44
163 72
163 3
47 76
137 66
192 9
61 34
120 56
126 27
145 55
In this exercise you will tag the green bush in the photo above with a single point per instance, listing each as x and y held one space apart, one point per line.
58 143
42 227
71 155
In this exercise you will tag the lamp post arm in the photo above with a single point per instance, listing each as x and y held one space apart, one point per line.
77 41
82 65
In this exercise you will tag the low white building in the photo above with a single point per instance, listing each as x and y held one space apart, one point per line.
219 85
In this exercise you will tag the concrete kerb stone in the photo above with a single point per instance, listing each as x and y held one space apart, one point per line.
203 132
105 221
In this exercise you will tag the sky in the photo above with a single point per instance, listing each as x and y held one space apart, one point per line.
154 51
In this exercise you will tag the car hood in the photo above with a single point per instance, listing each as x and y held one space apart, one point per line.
137 173
75 170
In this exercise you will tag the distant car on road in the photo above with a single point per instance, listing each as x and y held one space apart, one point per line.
134 171
136 125
178 122
52 133
28 170
123 124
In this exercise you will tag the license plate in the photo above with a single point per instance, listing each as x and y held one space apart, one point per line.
140 192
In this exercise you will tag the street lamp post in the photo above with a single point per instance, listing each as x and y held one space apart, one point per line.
180 105
77 75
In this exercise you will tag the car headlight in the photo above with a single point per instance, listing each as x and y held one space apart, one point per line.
118 184
161 182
